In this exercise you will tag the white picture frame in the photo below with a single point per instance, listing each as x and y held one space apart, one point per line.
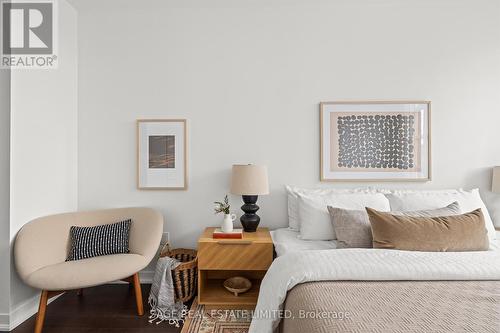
396 146
162 154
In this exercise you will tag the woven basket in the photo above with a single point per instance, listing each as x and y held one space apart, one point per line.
185 276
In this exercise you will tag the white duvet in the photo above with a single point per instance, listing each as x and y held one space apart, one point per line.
364 264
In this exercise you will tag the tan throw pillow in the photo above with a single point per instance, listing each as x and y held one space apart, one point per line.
353 228
465 232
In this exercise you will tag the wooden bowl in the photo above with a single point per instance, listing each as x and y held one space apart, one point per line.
238 285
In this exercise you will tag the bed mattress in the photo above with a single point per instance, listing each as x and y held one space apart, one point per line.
286 240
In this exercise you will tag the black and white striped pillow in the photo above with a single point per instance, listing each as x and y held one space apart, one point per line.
101 240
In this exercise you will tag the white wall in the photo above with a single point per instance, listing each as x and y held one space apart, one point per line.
43 147
4 197
248 75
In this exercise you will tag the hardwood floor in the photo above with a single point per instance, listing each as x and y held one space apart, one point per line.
109 308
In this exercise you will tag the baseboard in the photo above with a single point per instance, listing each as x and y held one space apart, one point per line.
146 276
4 322
22 313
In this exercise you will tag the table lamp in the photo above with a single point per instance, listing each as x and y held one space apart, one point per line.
495 183
249 181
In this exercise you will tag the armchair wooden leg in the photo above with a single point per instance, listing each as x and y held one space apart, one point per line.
79 292
138 294
40 317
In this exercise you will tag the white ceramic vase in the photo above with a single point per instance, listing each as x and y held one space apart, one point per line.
227 223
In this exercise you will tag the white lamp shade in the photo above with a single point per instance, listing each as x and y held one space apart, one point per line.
249 180
495 183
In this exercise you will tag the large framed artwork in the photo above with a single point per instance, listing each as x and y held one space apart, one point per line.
161 154
375 141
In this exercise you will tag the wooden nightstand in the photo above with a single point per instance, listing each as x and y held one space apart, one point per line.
219 259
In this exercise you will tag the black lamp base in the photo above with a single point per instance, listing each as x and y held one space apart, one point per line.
250 220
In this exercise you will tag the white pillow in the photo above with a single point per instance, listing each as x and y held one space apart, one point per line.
424 200
293 197
315 223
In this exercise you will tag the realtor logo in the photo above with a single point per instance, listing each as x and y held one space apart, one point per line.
28 36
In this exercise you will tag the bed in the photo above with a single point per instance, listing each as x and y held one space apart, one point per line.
382 290
314 286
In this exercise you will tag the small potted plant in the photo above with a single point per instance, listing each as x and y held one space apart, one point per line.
224 207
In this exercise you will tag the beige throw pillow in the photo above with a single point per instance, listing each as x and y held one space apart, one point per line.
353 228
465 232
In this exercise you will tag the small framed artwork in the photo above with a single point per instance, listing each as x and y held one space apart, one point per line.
375 141
161 154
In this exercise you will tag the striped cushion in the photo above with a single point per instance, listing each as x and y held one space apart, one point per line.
101 240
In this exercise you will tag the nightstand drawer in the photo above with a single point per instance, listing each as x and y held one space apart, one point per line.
235 254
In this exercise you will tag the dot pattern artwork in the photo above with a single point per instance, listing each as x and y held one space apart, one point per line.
376 141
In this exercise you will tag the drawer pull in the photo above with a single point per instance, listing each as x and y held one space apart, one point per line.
242 242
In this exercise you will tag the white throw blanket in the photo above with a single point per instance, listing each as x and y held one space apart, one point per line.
162 295
364 265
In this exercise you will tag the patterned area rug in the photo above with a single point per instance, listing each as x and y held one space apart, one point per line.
200 320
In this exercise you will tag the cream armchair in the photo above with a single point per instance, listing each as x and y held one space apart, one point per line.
42 246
